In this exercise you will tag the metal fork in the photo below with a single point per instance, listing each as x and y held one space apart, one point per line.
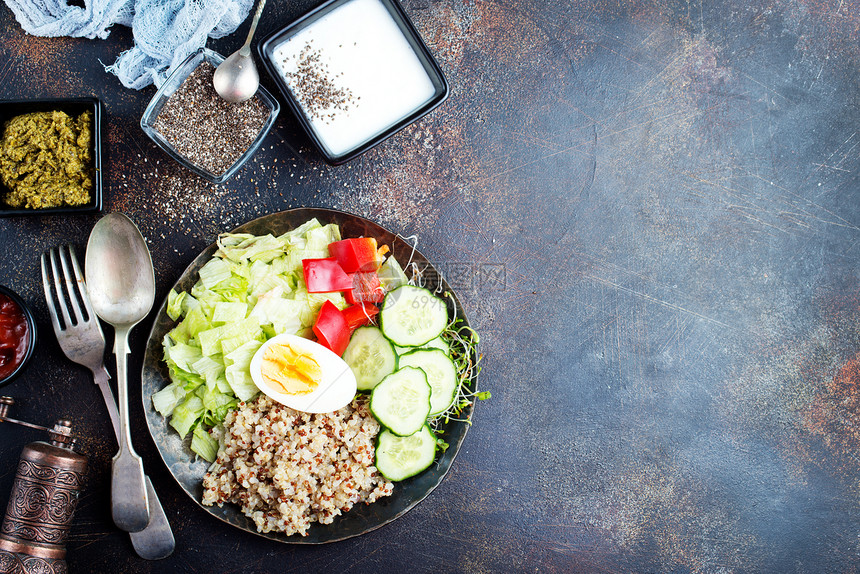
80 334
82 340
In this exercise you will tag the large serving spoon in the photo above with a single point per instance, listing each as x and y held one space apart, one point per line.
236 79
121 282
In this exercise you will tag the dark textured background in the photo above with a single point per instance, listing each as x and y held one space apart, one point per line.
651 211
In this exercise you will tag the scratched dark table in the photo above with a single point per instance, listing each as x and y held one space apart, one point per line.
650 211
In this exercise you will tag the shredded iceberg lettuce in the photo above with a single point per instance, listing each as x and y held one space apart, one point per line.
204 445
391 275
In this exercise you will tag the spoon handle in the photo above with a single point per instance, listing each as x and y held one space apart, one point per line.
156 541
246 47
129 500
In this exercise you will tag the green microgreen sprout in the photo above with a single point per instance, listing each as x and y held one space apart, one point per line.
463 341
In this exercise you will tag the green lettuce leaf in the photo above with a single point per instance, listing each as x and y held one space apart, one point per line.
174 304
186 415
204 445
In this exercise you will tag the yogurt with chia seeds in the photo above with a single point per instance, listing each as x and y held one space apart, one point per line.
354 74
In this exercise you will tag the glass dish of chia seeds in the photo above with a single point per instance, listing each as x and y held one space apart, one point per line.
199 129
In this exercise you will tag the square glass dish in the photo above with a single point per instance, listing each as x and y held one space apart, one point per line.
74 107
209 101
354 72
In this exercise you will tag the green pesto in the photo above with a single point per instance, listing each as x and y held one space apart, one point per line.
46 160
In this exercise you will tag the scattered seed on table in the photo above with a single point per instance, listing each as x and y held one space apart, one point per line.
209 131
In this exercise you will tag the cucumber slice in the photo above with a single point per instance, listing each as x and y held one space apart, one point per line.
437 343
370 356
441 376
399 457
412 316
401 402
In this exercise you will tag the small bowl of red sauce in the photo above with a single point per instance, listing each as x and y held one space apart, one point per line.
17 335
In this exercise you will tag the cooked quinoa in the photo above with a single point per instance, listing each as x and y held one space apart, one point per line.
287 469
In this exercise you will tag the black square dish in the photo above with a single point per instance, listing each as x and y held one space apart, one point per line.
359 52
74 107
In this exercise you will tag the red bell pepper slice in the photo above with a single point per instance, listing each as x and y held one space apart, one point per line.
366 287
359 315
357 254
325 276
331 328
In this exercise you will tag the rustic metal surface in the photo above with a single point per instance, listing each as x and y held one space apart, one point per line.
650 211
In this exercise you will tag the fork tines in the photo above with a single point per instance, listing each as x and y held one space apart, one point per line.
63 257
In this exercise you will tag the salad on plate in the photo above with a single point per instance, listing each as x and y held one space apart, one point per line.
411 363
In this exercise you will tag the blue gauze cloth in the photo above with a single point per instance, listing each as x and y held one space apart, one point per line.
165 31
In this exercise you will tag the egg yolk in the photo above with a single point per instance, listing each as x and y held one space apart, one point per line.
294 372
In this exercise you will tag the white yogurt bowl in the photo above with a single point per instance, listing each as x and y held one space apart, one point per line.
354 72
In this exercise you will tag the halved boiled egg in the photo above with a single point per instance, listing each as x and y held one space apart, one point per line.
302 375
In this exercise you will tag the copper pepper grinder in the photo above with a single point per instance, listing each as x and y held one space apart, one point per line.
48 481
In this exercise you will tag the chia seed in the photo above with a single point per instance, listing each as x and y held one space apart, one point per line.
207 130
316 91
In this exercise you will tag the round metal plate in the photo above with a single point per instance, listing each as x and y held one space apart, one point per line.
189 472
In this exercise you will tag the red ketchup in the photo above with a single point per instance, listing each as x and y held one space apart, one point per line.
14 336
